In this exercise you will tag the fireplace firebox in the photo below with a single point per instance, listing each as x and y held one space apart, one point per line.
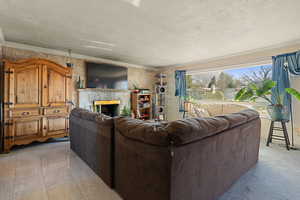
109 108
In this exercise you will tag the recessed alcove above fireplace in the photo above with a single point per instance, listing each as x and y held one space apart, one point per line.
109 108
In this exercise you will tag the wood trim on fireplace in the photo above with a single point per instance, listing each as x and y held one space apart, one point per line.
106 102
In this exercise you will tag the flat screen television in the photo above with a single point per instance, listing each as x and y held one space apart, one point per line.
107 76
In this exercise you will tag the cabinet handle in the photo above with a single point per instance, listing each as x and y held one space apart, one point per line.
45 127
25 113
56 111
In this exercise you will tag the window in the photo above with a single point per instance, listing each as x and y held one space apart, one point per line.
221 86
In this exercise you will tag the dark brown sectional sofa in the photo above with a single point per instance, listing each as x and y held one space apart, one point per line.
191 159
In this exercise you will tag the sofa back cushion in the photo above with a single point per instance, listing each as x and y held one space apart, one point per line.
181 132
153 133
193 129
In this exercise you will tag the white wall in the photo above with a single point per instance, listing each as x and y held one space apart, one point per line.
172 107
295 83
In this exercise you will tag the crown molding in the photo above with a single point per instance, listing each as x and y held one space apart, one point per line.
74 55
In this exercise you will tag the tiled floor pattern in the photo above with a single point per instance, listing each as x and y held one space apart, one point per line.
51 171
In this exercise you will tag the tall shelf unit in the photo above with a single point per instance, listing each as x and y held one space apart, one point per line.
141 105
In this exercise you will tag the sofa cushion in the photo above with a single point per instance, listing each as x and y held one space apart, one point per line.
77 112
181 131
241 117
90 116
250 114
193 129
188 130
235 119
153 133
104 120
84 114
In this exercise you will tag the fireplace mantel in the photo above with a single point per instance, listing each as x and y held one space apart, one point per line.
101 90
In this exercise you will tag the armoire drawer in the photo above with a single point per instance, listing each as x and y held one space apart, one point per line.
24 112
55 111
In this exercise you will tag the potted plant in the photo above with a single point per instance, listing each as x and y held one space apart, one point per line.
253 91
125 112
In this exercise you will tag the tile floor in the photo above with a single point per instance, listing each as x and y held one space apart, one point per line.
51 171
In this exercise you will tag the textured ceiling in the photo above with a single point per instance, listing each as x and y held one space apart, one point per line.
151 32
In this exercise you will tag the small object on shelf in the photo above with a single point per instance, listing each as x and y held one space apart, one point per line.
144 91
126 112
79 83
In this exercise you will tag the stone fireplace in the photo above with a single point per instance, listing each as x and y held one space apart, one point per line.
109 108
107 101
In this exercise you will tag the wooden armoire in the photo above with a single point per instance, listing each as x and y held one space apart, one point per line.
37 97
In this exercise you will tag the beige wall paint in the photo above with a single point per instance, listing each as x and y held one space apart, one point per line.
141 77
172 108
144 78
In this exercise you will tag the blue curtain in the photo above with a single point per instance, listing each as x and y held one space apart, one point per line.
293 61
282 65
180 87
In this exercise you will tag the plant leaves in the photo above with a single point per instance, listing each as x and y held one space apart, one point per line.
239 94
247 94
293 92
268 84
253 98
264 88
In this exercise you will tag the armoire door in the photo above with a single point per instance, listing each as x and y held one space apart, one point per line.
24 84
56 86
